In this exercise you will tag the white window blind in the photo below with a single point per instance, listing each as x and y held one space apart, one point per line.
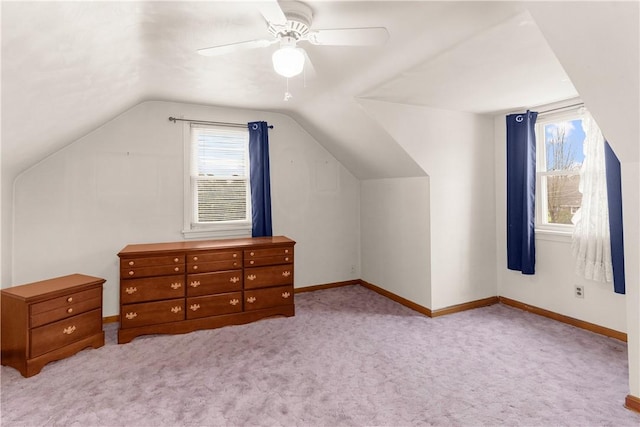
219 170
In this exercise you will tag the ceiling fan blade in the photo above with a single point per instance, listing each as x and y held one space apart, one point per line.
234 47
272 12
372 36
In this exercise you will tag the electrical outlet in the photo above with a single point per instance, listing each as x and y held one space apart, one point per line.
353 269
579 291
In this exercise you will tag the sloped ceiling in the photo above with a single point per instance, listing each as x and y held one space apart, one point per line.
69 67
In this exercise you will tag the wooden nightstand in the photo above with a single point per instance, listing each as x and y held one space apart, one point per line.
50 320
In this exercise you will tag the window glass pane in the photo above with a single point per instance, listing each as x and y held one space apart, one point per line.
221 200
221 154
563 198
563 145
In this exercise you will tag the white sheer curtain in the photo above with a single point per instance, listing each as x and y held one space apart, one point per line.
591 242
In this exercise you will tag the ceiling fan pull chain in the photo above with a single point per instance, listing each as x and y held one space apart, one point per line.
287 94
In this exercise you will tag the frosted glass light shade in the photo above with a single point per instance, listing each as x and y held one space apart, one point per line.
288 61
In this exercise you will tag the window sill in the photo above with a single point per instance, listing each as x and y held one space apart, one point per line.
553 235
217 233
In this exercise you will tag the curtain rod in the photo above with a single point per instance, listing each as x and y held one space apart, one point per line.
566 107
227 124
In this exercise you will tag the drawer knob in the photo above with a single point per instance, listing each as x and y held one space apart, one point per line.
286 295
251 277
252 262
176 269
235 255
195 267
252 254
286 258
286 251
195 307
70 299
176 259
69 330
235 264
286 273
131 263
195 258
131 273
131 315
234 279
176 285
251 300
234 301
176 309
194 284
131 290
69 310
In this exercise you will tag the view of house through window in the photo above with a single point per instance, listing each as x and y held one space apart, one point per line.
219 175
559 140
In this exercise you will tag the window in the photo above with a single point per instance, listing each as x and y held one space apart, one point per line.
218 181
559 139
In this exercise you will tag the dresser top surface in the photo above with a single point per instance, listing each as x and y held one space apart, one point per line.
192 245
52 287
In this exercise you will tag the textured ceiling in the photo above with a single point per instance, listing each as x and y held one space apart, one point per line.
69 67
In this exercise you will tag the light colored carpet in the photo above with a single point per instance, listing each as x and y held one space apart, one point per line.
348 357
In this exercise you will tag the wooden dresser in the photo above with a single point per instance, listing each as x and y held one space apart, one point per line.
179 287
50 320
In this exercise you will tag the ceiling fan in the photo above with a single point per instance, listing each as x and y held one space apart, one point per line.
290 23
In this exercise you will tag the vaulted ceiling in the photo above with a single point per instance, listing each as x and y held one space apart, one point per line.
69 67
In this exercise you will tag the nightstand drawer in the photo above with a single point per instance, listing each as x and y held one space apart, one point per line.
152 313
152 288
65 301
81 302
59 334
268 276
214 283
214 305
268 297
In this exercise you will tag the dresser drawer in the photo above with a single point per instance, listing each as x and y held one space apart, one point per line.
65 307
152 313
214 305
203 267
152 288
162 270
269 260
270 297
197 258
268 276
59 334
259 257
214 283
127 263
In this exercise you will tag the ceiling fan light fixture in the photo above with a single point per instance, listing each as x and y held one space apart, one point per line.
288 61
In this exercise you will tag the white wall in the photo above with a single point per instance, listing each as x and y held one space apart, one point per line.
456 150
599 47
552 287
396 234
123 183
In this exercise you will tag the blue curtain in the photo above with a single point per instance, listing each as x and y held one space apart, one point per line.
614 196
521 192
259 179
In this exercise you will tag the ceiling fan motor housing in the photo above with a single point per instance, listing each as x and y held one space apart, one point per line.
298 16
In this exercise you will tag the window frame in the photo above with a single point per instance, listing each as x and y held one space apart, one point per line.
541 201
221 229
